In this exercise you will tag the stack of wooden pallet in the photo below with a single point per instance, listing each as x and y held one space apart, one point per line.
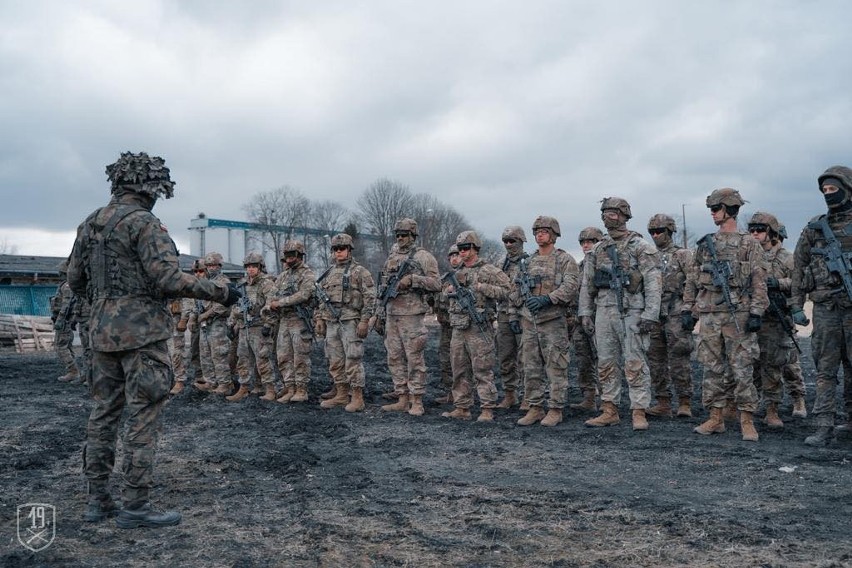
26 333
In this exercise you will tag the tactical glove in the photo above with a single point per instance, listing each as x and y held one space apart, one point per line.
536 303
362 330
646 326
515 327
230 333
799 318
404 283
687 321
772 283
266 330
320 328
588 325
754 322
234 295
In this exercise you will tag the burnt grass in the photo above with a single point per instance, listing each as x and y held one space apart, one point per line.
267 484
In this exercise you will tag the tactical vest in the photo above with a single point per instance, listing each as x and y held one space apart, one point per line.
107 278
816 274
735 254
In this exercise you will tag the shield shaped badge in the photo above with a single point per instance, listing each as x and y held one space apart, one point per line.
36 525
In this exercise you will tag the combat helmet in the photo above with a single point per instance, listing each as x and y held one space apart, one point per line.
213 258
469 238
725 196
843 175
141 173
547 222
452 250
198 264
662 221
514 232
406 224
590 234
341 240
254 258
782 232
768 219
617 203
291 246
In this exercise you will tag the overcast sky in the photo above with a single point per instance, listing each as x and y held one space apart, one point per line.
505 110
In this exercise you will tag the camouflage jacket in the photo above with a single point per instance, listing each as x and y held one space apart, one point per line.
126 265
352 291
779 263
61 308
747 282
811 276
674 266
639 261
511 266
293 286
424 280
258 292
555 275
212 310
489 285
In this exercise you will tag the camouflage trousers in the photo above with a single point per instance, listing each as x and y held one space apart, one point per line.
194 356
139 379
214 346
669 350
509 356
405 341
63 343
545 349
587 363
473 358
621 346
728 357
794 380
86 359
345 353
446 335
177 351
831 342
294 351
776 350
253 351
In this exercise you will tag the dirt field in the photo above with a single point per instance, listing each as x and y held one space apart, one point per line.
266 484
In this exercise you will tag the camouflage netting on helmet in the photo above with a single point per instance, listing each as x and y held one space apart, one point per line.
141 173
662 221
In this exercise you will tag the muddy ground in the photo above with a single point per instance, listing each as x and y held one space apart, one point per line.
266 484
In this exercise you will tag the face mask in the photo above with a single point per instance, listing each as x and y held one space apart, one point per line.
834 200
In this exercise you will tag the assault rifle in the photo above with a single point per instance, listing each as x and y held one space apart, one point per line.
323 297
720 272
617 280
244 305
391 289
525 284
837 261
62 321
464 296
778 305
199 307
304 313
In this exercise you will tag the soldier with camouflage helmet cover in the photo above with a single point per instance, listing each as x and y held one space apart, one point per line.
344 322
255 337
401 319
472 343
553 278
181 310
730 315
294 292
124 262
670 345
823 277
621 320
508 321
214 334
584 342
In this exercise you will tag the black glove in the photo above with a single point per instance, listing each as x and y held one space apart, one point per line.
646 326
687 321
266 331
234 295
753 322
515 327
772 283
799 318
536 303
588 325
230 333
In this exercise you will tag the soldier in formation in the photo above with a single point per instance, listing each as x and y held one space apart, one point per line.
585 351
215 344
509 330
440 307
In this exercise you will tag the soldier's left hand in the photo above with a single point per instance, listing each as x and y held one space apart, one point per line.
405 282
772 283
646 326
234 295
754 322
362 330
515 327
536 303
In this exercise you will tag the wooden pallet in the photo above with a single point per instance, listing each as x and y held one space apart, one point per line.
26 333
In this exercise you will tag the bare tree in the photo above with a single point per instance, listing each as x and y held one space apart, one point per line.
381 205
279 211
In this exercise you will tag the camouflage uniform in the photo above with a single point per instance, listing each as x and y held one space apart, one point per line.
63 312
124 262
509 342
445 337
215 345
255 339
585 351
179 308
831 340
82 313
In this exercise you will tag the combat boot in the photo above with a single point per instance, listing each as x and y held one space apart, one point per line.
100 509
772 419
608 416
663 408
242 393
339 399
392 395
639 420
286 394
258 388
401 405
178 388
525 404
416 405
203 386
713 425
799 409
823 435
224 388
684 407
843 431
458 414
270 392
146 516
730 411
533 415
67 377
446 399
301 394
330 393
356 403
509 400
747 427
587 404
553 417
485 415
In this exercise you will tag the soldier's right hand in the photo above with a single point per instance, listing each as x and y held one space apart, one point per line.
799 318
320 328
234 295
687 320
588 325
181 325
379 325
515 327
362 330
404 283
